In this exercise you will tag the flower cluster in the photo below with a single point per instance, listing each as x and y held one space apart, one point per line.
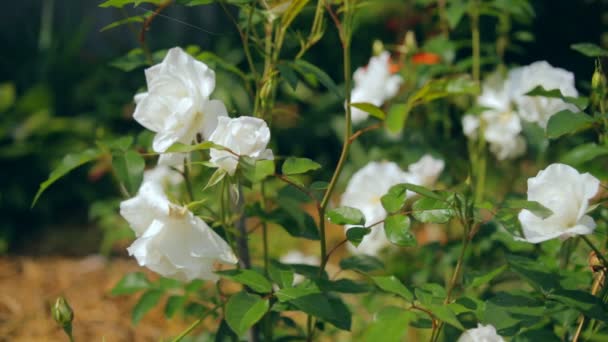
370 183
373 84
483 333
171 240
506 104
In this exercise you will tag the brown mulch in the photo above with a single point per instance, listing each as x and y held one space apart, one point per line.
29 286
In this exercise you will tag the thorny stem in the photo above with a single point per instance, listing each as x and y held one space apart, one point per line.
146 26
594 288
315 32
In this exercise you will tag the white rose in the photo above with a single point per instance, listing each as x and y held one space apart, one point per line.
566 192
470 125
364 191
177 105
539 108
373 84
426 170
297 257
171 240
245 136
483 333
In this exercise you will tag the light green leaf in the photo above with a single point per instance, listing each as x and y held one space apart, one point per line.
445 314
370 108
280 274
393 285
389 325
146 303
129 167
250 278
131 283
567 122
486 278
395 198
431 210
69 163
397 229
122 3
580 102
533 206
244 310
346 215
173 304
294 166
589 49
583 153
134 19
183 148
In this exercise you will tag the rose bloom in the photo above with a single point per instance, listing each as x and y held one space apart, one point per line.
177 105
245 136
369 184
539 109
373 84
171 240
566 192
483 333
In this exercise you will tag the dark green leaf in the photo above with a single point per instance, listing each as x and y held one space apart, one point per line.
250 278
294 166
589 49
304 67
174 303
356 234
567 122
291 293
361 263
580 102
535 273
372 109
343 286
131 283
147 301
455 11
244 310
280 274
327 308
583 153
288 74
296 222
397 229
346 215
533 206
393 285
122 3
129 167
444 313
431 210
69 163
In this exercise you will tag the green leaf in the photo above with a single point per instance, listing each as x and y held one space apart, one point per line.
533 206
306 68
69 163
261 170
390 324
397 114
295 166
134 19
486 278
250 278
455 12
567 122
431 210
589 49
290 293
588 304
534 272
395 198
129 167
288 74
215 178
295 221
146 303
356 234
580 102
370 108
325 307
392 285
361 263
397 229
280 274
244 310
122 3
8 94
343 286
346 215
131 283
174 303
295 7
583 153
183 148
445 314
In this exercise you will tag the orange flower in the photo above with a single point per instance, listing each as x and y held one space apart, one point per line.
426 58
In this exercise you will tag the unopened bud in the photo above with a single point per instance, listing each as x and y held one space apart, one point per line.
62 313
410 41
598 81
377 47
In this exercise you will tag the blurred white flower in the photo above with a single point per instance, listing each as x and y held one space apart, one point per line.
425 171
364 191
171 240
177 105
297 257
483 333
373 84
539 108
566 192
470 125
245 136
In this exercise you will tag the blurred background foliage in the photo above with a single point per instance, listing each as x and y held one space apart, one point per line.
63 86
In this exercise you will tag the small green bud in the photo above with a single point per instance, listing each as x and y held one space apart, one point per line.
377 47
598 81
62 313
